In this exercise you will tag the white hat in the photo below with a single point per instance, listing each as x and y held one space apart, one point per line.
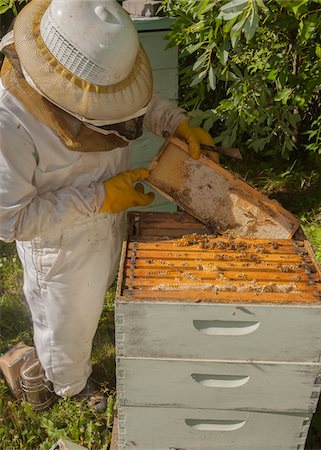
85 57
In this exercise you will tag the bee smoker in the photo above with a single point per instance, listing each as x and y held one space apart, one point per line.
36 388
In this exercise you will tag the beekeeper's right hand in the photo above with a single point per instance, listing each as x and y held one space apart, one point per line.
121 194
195 136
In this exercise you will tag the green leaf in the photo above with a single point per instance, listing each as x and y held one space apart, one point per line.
236 31
192 48
290 4
294 5
283 95
259 144
209 123
208 8
199 77
283 78
294 119
273 74
212 78
228 25
250 26
298 100
261 4
308 27
237 70
231 76
223 52
318 50
203 5
4 8
234 4
200 61
313 83
229 15
232 9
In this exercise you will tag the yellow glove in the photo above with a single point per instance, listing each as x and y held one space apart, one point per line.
121 194
194 138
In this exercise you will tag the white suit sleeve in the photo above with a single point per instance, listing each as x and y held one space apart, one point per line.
163 116
24 214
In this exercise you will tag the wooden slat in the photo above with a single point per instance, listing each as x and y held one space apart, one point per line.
258 248
222 285
216 256
174 272
228 265
250 242
228 297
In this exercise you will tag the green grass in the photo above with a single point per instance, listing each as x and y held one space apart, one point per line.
311 224
23 428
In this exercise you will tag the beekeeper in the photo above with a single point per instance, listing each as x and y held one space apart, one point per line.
76 89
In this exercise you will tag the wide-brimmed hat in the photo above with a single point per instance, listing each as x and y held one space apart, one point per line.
84 99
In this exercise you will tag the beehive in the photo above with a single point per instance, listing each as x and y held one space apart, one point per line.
217 339
201 267
216 197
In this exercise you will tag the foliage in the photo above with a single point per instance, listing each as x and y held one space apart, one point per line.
8 10
251 70
10 5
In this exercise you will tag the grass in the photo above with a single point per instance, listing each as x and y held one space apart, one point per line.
23 428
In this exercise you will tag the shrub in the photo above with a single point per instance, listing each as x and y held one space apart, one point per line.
251 71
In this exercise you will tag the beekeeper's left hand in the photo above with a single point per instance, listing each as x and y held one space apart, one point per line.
194 136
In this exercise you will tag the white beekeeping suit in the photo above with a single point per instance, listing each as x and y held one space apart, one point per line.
60 140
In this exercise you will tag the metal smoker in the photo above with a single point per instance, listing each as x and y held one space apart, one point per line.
36 388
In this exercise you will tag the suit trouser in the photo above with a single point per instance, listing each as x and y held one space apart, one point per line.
66 276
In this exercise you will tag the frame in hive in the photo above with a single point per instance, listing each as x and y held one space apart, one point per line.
216 197
172 256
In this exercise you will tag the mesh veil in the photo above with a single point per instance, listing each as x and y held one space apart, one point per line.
85 140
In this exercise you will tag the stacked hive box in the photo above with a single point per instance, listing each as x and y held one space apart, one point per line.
218 340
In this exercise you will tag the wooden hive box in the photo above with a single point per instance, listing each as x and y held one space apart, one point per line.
218 340
216 197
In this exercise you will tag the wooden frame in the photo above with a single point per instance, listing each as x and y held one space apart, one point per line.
275 221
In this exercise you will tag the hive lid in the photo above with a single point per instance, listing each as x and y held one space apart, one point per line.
158 264
216 197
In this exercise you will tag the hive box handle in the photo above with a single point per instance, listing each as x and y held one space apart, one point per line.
215 425
220 381
225 327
